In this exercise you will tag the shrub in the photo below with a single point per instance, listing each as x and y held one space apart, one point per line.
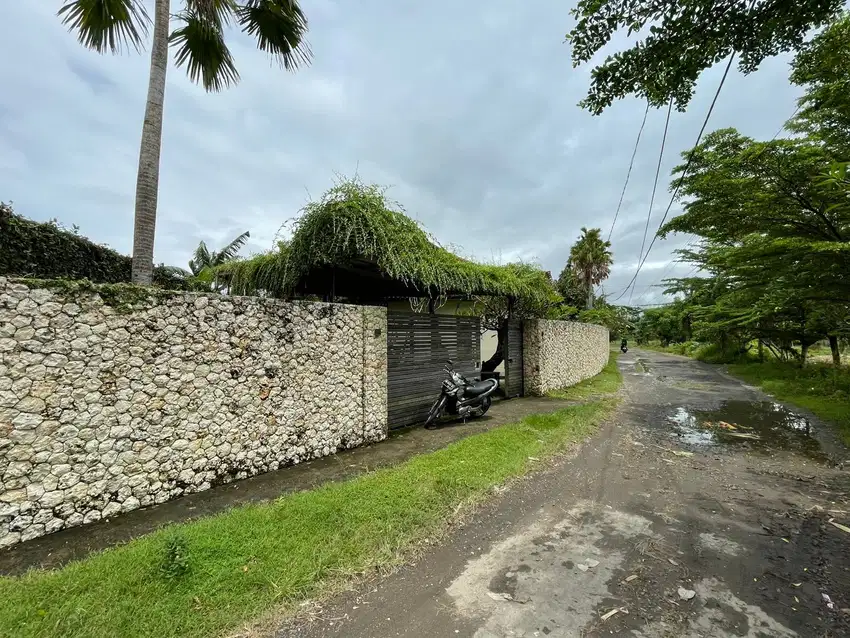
47 250
175 560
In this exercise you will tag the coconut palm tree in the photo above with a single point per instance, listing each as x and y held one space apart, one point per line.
204 261
590 260
198 40
202 273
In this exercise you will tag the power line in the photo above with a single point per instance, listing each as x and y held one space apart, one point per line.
684 173
691 243
654 187
629 173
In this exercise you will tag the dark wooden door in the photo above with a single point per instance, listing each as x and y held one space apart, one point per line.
418 346
514 381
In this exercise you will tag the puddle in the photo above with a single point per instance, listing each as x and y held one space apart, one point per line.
641 366
764 425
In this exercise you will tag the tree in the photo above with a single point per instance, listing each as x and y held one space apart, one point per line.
206 260
496 311
821 67
590 261
205 264
683 38
573 292
773 220
278 26
770 214
620 320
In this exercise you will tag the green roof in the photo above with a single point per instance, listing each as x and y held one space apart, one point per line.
355 233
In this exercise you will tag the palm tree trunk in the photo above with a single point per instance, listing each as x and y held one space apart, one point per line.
589 295
147 180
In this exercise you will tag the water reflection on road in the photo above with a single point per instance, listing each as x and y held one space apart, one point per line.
761 425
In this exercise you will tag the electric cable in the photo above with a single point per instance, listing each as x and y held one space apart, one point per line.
629 172
654 188
684 173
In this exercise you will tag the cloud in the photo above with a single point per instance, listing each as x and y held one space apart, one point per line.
467 111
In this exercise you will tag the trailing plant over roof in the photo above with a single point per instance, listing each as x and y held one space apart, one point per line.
355 222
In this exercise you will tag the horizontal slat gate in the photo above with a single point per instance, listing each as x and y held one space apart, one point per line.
514 379
418 346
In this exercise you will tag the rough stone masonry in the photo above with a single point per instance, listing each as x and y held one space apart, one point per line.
558 354
109 403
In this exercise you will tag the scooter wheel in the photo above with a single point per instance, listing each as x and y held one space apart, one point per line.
435 413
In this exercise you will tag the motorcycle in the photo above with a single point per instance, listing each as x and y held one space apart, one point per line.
461 397
623 347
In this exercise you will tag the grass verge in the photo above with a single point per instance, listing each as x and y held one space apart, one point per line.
822 389
203 577
606 382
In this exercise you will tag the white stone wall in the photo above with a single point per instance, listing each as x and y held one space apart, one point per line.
558 354
108 406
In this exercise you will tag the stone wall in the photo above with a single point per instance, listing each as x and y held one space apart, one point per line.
558 354
115 398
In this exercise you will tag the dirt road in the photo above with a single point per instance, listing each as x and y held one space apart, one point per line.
667 523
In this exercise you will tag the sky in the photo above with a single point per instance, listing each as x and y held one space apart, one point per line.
466 111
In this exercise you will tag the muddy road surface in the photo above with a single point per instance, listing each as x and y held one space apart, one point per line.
703 509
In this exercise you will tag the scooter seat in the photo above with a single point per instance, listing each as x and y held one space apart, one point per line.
479 388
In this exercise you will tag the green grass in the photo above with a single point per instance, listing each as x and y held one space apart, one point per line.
204 577
820 388
606 382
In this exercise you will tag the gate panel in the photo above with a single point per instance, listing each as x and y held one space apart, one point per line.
514 373
417 348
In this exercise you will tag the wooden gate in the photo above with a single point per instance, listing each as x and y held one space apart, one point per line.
418 346
514 381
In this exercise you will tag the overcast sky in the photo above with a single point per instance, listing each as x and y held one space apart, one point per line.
467 110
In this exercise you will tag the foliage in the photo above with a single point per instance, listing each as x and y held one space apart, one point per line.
618 319
773 220
821 67
686 348
590 261
204 259
175 560
257 558
202 273
571 290
354 221
678 40
494 310
278 26
46 250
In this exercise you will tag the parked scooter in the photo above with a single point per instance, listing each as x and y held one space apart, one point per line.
461 397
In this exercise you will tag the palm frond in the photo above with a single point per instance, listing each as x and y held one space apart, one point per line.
201 259
107 24
279 27
229 252
202 50
219 11
206 275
